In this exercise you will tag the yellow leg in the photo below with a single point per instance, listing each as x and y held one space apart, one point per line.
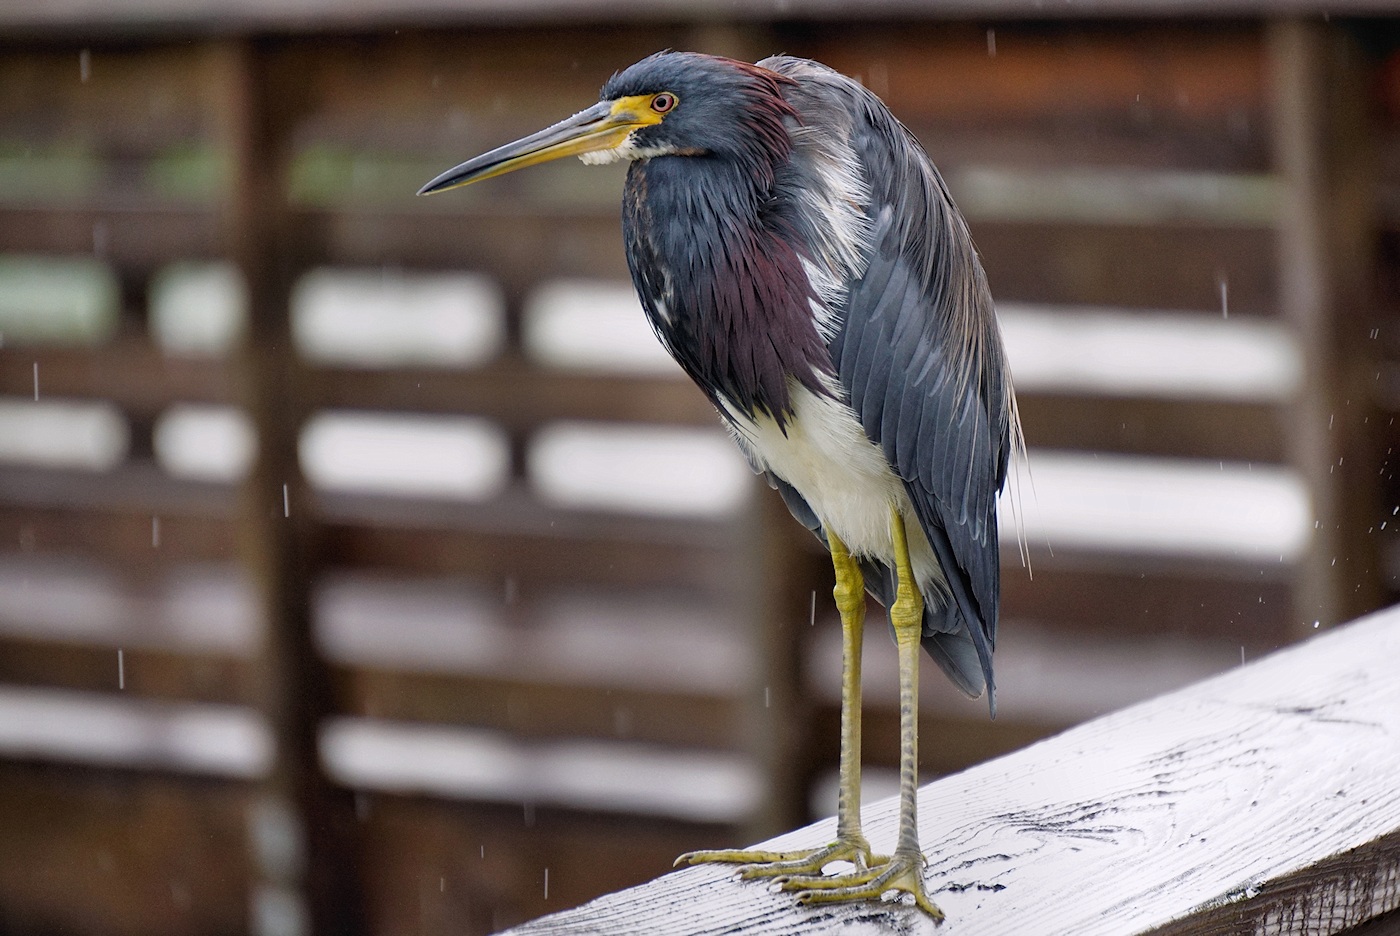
801 869
904 870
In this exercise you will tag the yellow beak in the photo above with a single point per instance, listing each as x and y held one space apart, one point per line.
604 126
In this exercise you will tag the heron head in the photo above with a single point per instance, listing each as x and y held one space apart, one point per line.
668 104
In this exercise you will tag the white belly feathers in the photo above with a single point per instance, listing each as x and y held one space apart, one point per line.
843 476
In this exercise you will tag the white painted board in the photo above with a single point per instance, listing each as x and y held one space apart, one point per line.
1263 800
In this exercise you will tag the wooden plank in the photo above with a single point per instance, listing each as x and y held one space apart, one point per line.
120 852
128 232
1216 429
521 396
515 537
1260 798
511 391
1326 246
299 806
529 709
114 101
1176 266
974 71
518 395
1084 94
202 17
131 373
79 514
778 596
1120 265
147 672
1088 595
525 709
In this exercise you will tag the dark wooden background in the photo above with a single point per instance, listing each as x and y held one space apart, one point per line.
307 143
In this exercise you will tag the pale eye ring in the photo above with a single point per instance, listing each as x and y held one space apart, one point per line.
663 102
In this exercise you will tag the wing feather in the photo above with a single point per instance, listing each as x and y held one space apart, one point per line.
919 354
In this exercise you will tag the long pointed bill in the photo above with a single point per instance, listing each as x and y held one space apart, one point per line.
604 126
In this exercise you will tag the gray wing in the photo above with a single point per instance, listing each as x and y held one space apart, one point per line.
920 355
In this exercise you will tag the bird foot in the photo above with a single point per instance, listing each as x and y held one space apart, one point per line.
794 865
903 872
801 871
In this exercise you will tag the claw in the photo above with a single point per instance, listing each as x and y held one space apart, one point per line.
901 873
795 865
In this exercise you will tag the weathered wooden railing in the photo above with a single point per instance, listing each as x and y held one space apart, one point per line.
1262 800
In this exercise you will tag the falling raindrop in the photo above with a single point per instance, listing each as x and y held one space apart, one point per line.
991 43
546 883
36 381
121 669
812 617
286 503
155 532
767 697
1225 297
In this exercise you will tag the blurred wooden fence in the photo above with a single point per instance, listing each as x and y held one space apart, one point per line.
289 153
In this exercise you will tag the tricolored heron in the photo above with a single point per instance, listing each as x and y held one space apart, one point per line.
800 257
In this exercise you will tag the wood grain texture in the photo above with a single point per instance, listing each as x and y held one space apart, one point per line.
1259 801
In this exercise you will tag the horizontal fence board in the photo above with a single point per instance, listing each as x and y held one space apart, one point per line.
1216 429
531 560
455 540
1177 266
525 709
111 515
541 710
133 374
1144 596
129 233
954 70
517 394
147 672
1122 96
522 396
1180 265
56 512
127 105
1120 140
511 391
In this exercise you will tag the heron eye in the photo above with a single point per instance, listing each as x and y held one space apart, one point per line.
663 102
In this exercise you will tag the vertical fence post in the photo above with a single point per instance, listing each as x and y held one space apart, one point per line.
781 576
301 828
1326 252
